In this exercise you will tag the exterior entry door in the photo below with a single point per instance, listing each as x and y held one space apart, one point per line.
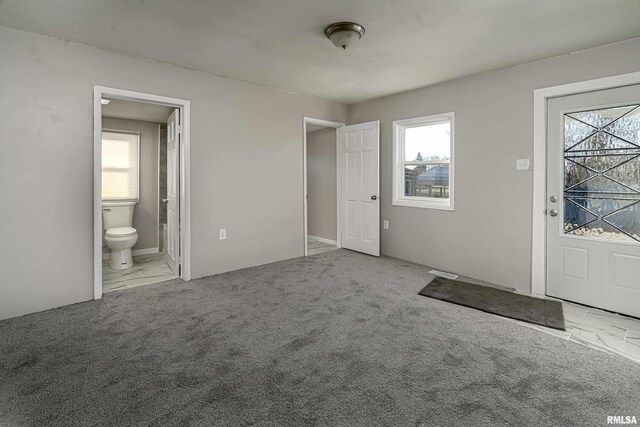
359 166
593 199
172 251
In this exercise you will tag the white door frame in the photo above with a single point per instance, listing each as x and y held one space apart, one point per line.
185 172
539 218
330 124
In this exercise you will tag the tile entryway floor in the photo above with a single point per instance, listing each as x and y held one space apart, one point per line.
598 329
147 269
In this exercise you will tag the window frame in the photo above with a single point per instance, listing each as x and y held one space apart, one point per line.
398 175
125 132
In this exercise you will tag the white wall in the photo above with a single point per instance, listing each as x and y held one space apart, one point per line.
321 184
489 234
145 215
46 160
46 166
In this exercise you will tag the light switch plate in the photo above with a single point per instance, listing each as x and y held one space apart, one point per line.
385 224
222 235
522 164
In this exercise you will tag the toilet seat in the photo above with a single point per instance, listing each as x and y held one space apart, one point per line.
121 232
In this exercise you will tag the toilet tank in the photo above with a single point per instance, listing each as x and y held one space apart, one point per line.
117 215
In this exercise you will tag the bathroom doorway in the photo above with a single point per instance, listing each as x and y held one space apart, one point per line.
141 189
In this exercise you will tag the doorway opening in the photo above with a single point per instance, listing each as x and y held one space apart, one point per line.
540 202
321 186
593 223
141 189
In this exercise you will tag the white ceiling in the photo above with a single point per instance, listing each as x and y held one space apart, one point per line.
135 110
280 43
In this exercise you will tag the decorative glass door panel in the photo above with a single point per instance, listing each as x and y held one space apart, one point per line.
602 173
593 199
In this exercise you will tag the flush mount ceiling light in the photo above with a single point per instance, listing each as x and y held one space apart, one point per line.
343 34
105 101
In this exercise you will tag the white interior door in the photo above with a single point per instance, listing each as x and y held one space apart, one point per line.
593 199
359 166
172 252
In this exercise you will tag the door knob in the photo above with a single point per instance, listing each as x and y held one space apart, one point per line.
553 199
374 197
553 212
165 200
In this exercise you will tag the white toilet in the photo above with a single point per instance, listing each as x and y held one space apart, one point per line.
120 236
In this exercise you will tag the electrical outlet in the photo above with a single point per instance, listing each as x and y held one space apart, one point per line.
385 224
223 234
522 164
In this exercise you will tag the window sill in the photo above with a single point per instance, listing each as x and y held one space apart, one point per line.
424 204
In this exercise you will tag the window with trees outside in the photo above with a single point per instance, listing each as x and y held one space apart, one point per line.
423 162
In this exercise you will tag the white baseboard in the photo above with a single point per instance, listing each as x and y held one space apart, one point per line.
107 255
322 240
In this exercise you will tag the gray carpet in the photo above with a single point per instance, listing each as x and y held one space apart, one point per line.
504 303
334 339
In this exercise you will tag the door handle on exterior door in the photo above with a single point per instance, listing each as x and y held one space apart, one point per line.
553 212
374 197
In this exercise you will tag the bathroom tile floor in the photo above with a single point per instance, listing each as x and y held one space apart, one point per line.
147 269
315 247
598 329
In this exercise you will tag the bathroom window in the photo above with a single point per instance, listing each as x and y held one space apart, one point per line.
423 162
120 166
